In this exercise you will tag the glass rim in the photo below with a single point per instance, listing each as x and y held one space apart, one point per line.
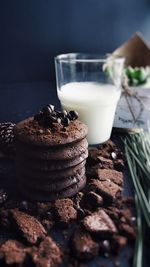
86 57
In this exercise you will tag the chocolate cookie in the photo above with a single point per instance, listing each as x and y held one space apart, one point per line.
63 152
50 165
40 175
30 132
35 195
52 185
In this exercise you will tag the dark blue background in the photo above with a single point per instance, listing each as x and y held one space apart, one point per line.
32 32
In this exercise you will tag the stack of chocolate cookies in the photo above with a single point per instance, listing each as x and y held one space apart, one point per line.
51 151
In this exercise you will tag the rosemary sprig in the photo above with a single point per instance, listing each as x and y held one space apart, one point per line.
138 156
138 255
143 202
137 150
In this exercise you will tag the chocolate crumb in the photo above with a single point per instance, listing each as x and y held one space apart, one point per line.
47 254
13 252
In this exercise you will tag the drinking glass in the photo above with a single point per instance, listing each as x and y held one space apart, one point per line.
91 85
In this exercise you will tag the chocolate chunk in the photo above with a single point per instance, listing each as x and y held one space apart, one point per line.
46 110
65 211
65 121
47 254
91 201
12 252
29 227
99 223
107 189
73 115
113 175
84 248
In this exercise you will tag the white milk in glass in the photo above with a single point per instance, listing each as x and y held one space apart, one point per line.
96 104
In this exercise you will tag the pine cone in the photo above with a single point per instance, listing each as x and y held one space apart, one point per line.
6 136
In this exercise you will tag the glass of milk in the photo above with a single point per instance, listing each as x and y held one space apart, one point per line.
91 85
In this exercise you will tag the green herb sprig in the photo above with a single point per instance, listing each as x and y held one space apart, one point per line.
138 255
137 150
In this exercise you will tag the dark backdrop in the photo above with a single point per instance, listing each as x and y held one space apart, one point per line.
32 32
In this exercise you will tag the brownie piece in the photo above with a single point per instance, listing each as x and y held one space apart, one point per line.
83 246
47 254
108 146
65 211
91 201
12 252
99 157
29 227
113 175
99 223
105 163
107 189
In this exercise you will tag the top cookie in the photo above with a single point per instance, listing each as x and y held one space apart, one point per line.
29 131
